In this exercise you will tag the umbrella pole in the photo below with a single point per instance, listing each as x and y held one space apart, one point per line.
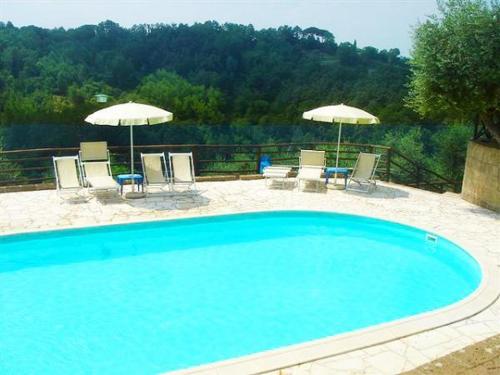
338 152
132 154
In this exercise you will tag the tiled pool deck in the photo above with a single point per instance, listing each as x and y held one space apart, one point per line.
468 225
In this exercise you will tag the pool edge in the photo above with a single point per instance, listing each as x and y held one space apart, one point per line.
479 300
484 295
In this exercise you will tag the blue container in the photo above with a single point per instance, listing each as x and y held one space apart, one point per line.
265 161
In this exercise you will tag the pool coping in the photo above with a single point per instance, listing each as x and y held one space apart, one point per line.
484 296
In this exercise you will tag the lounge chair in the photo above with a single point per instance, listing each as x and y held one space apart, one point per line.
278 172
68 177
94 151
182 169
96 167
154 168
311 166
364 172
98 176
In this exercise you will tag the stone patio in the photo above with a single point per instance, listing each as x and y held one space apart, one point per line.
446 214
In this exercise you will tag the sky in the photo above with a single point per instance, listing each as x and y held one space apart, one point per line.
383 24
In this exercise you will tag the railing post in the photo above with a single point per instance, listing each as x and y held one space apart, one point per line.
196 165
388 164
258 154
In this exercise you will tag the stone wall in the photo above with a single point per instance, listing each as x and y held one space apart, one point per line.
481 183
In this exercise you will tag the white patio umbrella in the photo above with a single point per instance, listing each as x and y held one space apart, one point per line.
343 114
130 114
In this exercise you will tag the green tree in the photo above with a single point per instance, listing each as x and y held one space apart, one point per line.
450 146
185 100
410 144
456 65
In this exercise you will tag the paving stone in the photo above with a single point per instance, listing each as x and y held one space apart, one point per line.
387 362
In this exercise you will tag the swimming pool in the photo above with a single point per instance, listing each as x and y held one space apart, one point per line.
159 296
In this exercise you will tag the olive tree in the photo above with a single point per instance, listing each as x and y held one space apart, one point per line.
455 64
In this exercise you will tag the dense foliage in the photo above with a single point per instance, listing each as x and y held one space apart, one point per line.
226 76
456 64
205 73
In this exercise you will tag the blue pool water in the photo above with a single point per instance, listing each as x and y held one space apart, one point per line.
151 297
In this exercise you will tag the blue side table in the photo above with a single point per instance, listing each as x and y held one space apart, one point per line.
135 178
332 170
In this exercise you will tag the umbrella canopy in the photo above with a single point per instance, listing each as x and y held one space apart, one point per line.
342 114
130 114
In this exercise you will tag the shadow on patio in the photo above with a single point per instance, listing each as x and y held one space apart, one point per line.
163 201
381 192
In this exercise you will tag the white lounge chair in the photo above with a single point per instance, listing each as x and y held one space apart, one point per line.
96 167
154 168
68 177
278 172
182 169
94 151
98 176
311 166
364 172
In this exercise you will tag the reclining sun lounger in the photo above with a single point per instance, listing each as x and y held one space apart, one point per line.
68 176
98 176
94 151
96 167
364 172
311 166
279 172
154 168
182 169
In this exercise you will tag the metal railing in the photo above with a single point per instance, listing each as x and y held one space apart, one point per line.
416 175
34 166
